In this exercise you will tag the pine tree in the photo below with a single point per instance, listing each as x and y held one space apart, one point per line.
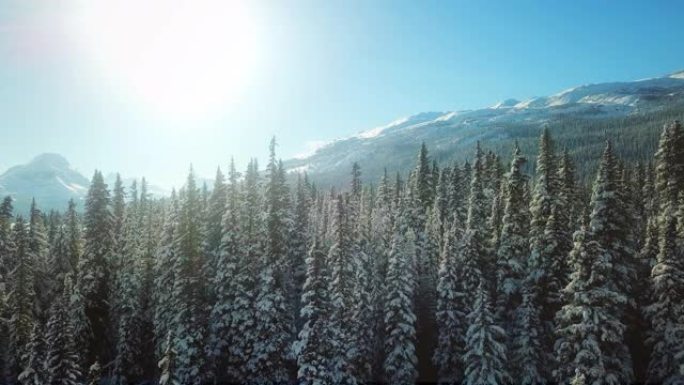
423 179
62 358
342 274
34 372
94 270
485 351
299 242
38 249
450 316
473 253
667 276
400 320
215 212
127 298
312 349
528 359
366 321
188 289
232 319
592 322
21 298
166 256
513 245
166 364
273 335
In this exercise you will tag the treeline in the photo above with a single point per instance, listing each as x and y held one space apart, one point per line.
471 273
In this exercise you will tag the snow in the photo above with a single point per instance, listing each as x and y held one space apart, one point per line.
73 187
374 132
677 75
299 169
311 147
508 103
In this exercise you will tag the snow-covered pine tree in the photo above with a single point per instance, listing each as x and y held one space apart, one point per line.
450 315
342 273
213 222
365 295
21 298
34 372
513 245
62 363
167 362
188 289
93 281
473 253
485 348
666 310
528 363
232 320
299 242
423 179
94 373
400 320
38 249
6 253
312 348
165 260
274 333
592 322
126 298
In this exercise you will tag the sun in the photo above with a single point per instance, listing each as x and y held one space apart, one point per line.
177 58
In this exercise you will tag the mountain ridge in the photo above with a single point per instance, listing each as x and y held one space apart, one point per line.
450 135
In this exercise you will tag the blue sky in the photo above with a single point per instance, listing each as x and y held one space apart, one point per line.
318 70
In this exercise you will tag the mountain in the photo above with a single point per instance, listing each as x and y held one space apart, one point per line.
580 118
48 178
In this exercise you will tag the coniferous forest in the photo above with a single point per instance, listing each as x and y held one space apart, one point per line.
468 273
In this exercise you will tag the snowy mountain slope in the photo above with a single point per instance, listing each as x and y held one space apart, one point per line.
48 178
450 135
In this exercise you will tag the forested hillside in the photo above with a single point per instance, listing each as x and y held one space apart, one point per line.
631 114
502 269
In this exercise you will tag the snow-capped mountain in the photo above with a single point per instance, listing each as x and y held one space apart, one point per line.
48 178
450 135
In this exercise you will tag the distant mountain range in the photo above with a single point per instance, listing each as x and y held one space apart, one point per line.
580 119
50 179
631 113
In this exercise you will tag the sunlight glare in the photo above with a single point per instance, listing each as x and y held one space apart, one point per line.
181 59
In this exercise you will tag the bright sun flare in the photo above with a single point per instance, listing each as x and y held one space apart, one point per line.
180 58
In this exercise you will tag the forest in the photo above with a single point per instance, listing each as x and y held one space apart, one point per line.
496 270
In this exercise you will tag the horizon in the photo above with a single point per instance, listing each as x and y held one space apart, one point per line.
306 74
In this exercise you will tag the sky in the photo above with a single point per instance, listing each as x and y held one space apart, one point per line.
150 87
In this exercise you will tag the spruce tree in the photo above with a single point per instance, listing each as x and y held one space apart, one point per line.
342 274
62 362
450 316
485 348
273 335
232 320
513 245
34 372
188 289
592 325
21 299
312 348
400 320
666 310
166 256
38 249
94 270
166 364
127 299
